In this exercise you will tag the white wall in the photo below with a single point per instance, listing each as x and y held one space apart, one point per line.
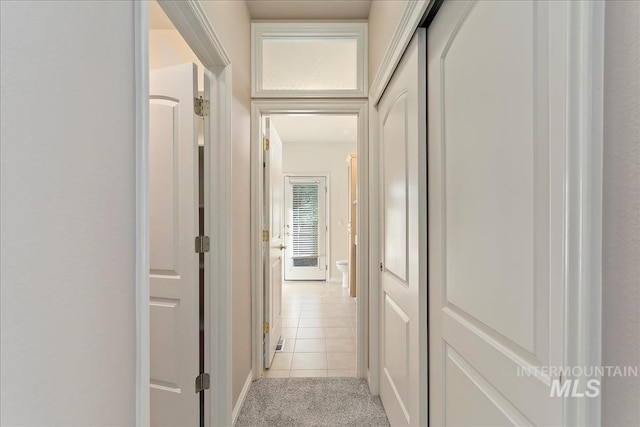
331 158
67 207
384 16
621 221
230 20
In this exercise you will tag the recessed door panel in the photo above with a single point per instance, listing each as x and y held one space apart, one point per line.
472 401
495 211
396 352
164 234
489 169
394 172
165 370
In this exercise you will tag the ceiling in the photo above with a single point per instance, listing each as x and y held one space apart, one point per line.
317 128
309 9
283 9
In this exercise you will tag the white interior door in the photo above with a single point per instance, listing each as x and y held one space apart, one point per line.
496 155
273 246
402 137
305 228
173 209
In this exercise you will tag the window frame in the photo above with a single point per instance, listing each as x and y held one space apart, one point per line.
308 31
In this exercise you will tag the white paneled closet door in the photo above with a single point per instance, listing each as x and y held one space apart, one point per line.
496 102
402 139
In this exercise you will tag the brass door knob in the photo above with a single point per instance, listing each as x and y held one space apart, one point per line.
281 247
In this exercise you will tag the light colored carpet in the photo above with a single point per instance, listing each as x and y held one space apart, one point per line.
288 402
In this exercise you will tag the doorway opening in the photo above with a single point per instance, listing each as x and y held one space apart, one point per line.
310 316
308 323
176 216
183 166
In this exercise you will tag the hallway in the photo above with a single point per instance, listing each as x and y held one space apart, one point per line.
319 333
274 402
318 328
497 214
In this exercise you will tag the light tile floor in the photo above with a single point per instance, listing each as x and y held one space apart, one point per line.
319 329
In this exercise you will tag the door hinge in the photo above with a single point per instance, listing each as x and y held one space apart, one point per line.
202 244
202 382
265 235
265 144
381 268
265 327
201 106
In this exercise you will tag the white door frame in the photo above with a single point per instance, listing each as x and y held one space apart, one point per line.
192 23
583 190
267 107
327 216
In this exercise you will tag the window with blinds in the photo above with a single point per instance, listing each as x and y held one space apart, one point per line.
304 224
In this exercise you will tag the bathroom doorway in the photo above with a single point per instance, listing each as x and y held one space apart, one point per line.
306 212
318 326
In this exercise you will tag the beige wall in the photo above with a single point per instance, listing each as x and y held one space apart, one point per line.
621 216
384 16
167 48
298 157
67 209
230 20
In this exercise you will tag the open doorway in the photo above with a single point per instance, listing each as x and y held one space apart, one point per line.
183 177
310 316
309 325
177 301
315 163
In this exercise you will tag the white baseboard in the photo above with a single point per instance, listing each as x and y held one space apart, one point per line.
335 280
242 397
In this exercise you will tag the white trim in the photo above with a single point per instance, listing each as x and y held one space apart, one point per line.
193 25
243 396
583 198
309 30
141 47
335 280
374 255
411 17
258 110
363 248
218 198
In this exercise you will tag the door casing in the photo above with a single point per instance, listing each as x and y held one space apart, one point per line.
259 109
190 20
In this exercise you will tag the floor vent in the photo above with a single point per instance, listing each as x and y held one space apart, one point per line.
280 345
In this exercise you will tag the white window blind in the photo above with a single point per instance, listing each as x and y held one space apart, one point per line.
305 233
